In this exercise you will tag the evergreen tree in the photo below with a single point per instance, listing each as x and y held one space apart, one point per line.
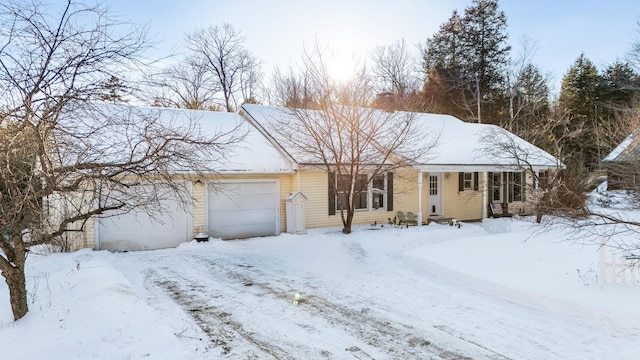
486 45
620 85
579 94
467 59
529 101
114 89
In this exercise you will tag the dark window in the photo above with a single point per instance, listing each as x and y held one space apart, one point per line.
360 194
378 191
543 179
517 186
497 187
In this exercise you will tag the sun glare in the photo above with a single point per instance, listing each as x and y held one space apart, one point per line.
342 64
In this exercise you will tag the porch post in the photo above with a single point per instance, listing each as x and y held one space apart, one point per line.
485 194
419 197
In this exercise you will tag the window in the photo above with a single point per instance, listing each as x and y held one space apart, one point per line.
543 179
377 192
508 187
433 184
517 186
468 181
369 193
496 185
360 193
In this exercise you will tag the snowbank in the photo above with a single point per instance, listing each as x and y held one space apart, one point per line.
82 308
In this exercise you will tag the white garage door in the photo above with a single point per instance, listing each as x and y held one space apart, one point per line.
137 231
242 209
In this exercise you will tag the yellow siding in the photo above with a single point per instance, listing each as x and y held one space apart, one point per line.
462 205
314 185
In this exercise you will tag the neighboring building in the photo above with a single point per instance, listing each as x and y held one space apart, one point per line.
247 197
623 164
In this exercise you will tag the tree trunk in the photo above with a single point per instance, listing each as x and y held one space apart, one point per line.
17 292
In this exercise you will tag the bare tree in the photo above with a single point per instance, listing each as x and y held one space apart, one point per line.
235 71
65 154
293 89
527 92
394 70
188 84
344 136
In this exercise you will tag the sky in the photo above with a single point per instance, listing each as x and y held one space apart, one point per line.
277 31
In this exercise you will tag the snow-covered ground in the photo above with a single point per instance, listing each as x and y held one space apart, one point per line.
497 290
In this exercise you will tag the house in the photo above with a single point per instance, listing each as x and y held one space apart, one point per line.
622 164
459 178
248 194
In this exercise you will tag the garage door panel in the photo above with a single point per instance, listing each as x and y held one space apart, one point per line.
245 188
242 232
139 231
240 202
243 209
246 217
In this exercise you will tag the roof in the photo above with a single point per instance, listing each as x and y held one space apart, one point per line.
252 154
627 150
459 146
478 147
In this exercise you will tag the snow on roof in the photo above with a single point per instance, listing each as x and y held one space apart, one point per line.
627 150
253 154
459 145
482 145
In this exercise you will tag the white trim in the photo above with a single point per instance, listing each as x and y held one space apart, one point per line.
96 233
439 193
419 197
485 197
452 168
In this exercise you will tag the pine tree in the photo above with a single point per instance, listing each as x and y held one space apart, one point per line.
579 93
470 55
620 85
529 101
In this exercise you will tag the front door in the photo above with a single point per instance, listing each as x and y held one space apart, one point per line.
435 194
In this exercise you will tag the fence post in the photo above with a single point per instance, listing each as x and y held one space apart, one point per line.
603 260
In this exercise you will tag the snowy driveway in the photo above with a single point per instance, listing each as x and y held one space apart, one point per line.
361 299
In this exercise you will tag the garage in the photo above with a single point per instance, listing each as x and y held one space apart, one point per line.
243 208
138 231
